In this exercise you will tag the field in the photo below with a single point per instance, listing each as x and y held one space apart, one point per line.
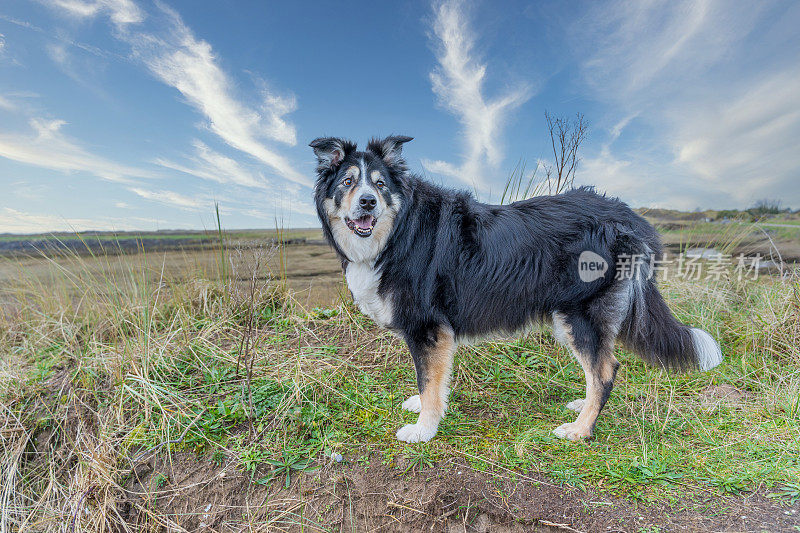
231 388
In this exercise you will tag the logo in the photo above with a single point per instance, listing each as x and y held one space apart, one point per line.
591 266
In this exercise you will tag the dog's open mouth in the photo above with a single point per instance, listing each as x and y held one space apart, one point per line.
361 226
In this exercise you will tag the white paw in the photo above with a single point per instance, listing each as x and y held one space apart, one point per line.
576 405
416 433
572 431
413 404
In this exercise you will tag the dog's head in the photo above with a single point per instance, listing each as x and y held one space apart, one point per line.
358 194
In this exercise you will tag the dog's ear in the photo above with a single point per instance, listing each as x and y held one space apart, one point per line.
330 152
389 149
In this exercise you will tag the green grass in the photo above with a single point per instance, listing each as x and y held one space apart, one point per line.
151 367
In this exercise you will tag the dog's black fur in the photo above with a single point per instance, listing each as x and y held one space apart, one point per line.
477 269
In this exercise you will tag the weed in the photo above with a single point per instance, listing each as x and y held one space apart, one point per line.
419 457
285 466
789 492
110 358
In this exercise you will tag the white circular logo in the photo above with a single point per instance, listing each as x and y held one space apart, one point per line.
591 266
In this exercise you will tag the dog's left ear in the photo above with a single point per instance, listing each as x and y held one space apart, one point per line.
330 151
389 149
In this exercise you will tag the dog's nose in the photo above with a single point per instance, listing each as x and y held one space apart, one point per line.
368 202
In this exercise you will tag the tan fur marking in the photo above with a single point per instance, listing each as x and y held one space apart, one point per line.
376 174
341 233
597 376
438 370
383 227
608 364
351 244
347 200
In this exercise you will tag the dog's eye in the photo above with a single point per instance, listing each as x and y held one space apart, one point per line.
347 182
380 184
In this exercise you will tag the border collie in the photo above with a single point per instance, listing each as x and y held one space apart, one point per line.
441 269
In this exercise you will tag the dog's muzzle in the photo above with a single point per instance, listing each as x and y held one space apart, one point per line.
361 226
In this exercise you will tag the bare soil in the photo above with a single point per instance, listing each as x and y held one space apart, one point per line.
370 496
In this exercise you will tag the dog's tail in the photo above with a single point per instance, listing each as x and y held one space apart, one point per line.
654 334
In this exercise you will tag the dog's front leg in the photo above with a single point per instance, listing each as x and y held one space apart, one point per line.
433 360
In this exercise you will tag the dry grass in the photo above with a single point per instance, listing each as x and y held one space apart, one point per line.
107 362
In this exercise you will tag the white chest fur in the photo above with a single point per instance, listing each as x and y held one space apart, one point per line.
363 280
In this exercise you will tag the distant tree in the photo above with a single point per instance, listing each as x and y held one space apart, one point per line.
566 136
729 214
766 207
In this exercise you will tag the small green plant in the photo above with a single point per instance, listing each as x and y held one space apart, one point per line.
569 476
420 456
159 480
732 484
644 472
789 491
285 466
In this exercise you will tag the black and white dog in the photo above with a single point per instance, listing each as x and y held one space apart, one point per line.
440 268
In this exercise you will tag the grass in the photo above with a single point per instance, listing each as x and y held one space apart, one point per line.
102 369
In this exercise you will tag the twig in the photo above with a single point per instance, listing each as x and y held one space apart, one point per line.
401 506
780 258
566 527
78 508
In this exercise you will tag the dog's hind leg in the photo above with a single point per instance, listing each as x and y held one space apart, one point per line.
594 350
433 360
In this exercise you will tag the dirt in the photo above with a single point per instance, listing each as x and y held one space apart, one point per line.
197 495
714 396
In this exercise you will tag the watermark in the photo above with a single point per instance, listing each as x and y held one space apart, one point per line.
712 267
591 266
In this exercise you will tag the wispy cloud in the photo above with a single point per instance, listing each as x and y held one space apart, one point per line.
211 165
76 68
747 143
5 56
182 61
173 199
716 136
17 221
458 82
121 12
6 104
179 59
48 147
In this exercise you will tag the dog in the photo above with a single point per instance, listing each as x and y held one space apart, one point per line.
440 269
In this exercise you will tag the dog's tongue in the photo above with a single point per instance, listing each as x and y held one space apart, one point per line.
364 222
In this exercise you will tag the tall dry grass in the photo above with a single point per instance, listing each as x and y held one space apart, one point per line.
102 368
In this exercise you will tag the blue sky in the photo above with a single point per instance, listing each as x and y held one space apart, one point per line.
130 114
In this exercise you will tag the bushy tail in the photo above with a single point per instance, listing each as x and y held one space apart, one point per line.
654 334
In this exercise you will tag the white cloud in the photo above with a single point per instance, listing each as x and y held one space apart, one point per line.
121 12
656 46
458 82
16 221
640 182
6 104
179 59
747 144
58 53
173 199
49 148
182 61
211 165
713 87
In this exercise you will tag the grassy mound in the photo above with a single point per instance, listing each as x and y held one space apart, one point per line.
107 373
